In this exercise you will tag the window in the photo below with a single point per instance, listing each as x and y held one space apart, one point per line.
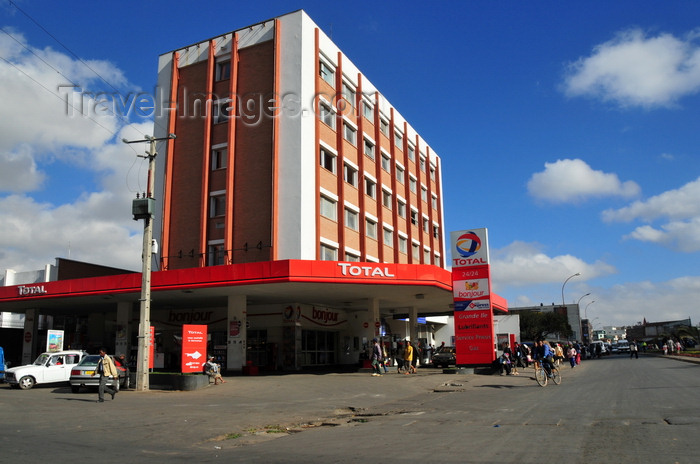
432 173
412 184
412 153
398 140
414 217
216 255
327 73
386 162
369 149
370 188
371 229
328 253
422 162
423 193
436 231
426 256
222 111
416 251
350 175
351 219
328 160
384 126
433 201
217 205
399 174
219 158
436 260
349 94
403 244
368 111
386 199
353 258
223 70
328 208
350 133
426 226
401 208
388 237
326 114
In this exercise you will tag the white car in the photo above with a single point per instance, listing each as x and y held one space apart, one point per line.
48 368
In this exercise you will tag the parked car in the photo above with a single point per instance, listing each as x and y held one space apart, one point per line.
444 357
47 368
82 374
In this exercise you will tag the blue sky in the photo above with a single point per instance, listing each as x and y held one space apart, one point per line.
568 129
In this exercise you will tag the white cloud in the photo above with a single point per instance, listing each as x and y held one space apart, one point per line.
679 235
521 264
682 203
97 226
681 207
573 180
19 171
34 108
634 69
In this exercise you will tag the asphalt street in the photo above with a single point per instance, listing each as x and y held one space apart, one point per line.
614 409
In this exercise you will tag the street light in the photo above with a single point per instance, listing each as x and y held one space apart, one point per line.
562 287
585 311
579 300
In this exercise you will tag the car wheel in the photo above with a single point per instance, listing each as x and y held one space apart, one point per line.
26 382
75 388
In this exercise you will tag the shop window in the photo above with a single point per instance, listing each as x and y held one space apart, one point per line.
318 348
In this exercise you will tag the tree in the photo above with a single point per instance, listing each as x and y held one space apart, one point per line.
535 325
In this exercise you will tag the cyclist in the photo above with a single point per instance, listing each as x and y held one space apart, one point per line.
545 355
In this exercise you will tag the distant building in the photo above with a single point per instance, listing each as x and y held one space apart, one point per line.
571 311
652 330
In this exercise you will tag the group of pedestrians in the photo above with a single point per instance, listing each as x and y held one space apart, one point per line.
406 355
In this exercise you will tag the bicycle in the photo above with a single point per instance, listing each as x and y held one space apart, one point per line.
541 374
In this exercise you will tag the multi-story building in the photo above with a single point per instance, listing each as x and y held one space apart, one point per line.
299 214
285 150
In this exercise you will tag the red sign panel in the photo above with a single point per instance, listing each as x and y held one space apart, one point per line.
194 347
474 337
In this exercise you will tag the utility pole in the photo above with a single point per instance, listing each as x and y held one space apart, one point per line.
143 208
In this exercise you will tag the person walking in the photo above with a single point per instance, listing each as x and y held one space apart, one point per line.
376 358
408 358
107 371
571 354
634 351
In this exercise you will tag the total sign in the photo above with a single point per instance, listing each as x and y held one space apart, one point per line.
470 248
194 347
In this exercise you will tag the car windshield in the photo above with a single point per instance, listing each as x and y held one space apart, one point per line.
90 360
41 360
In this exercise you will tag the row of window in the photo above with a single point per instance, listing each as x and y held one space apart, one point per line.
328 161
329 210
330 253
328 117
